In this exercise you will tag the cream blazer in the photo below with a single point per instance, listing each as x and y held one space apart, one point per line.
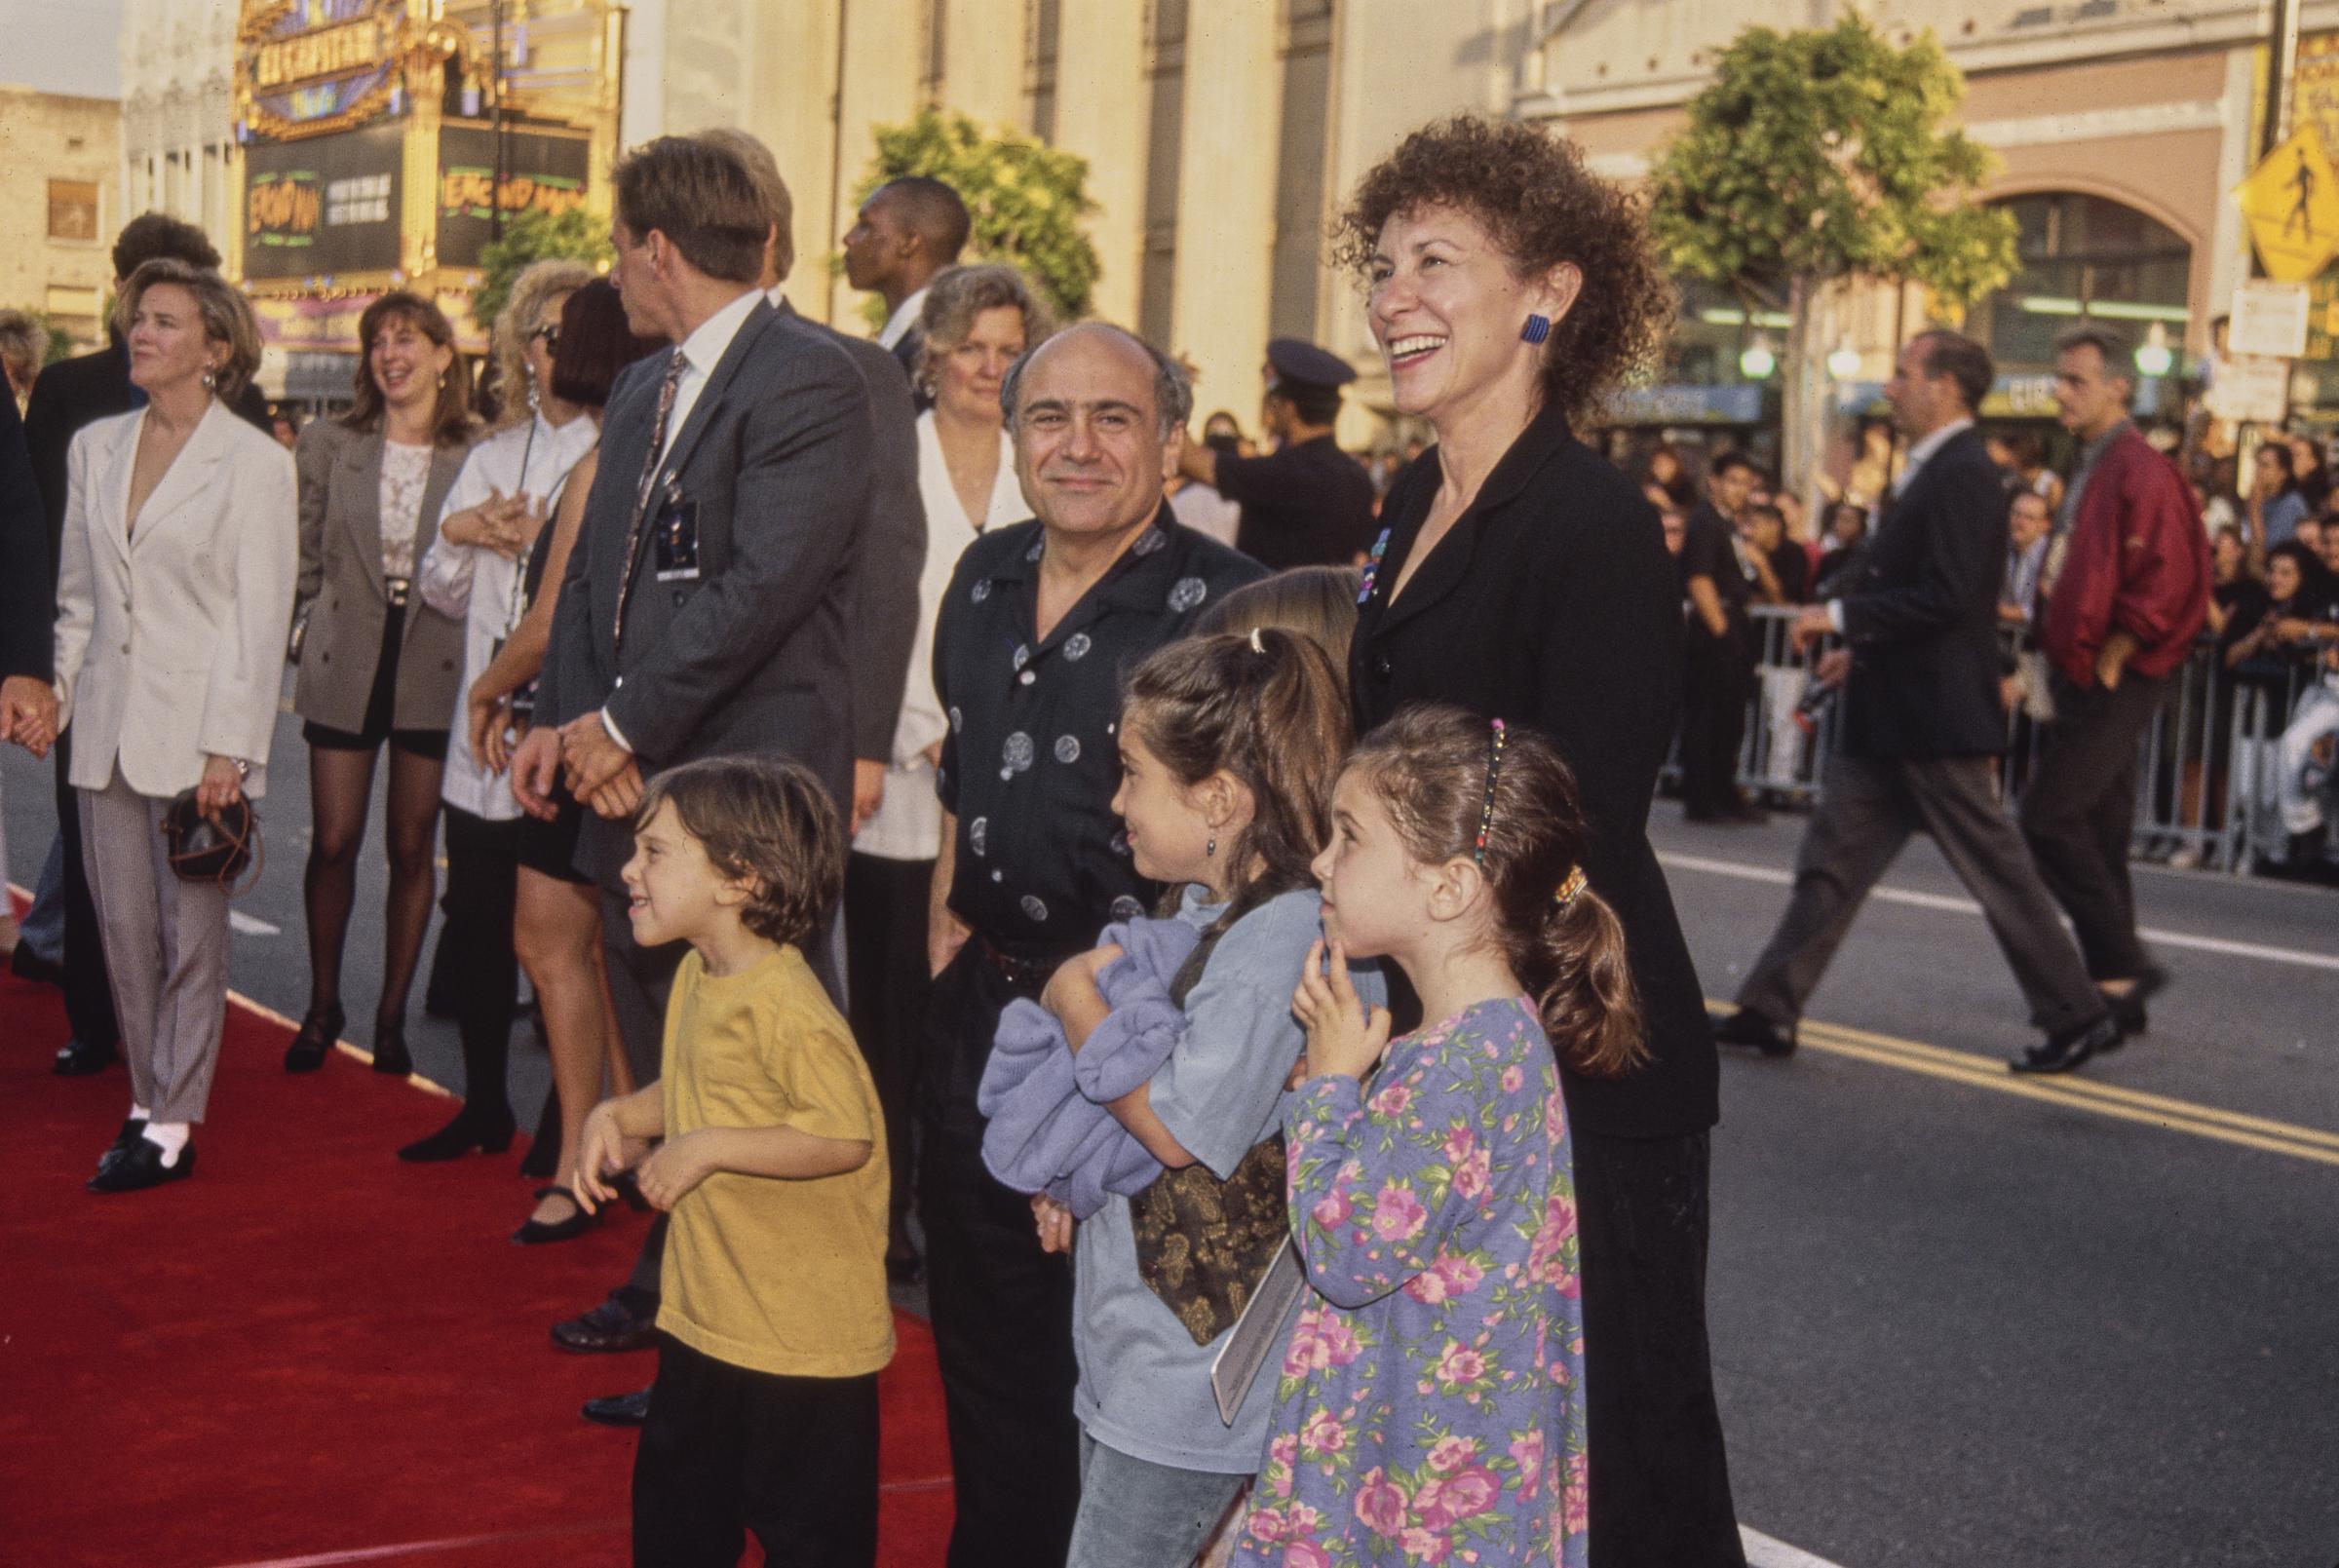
171 639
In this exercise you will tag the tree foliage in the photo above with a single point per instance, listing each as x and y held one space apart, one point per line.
529 237
1821 155
1024 197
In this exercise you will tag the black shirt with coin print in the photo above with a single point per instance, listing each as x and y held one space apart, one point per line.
1032 758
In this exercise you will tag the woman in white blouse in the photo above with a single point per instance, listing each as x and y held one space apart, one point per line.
976 320
377 662
472 572
174 583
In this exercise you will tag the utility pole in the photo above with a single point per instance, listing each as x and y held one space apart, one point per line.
2282 68
495 118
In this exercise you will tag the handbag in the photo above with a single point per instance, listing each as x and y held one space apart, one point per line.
214 848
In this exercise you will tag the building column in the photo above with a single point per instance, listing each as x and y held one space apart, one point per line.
982 62
1223 272
880 88
1101 113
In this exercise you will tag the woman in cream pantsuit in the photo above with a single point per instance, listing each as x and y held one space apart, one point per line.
174 589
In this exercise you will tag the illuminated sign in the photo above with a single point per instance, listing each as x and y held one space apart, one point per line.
542 173
311 67
323 205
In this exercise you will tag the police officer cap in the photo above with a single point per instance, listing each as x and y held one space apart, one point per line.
1299 363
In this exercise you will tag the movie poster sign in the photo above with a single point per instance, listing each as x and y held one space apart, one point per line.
314 67
324 205
544 172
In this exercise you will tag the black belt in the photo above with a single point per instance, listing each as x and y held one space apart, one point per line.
1031 974
399 590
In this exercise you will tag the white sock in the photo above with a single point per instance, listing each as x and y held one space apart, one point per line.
168 1136
139 1113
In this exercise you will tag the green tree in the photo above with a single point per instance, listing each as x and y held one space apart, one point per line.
57 343
1025 199
1820 157
529 237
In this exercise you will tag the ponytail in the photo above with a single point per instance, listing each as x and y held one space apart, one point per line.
1570 955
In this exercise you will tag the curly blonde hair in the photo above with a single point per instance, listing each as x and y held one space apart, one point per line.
531 291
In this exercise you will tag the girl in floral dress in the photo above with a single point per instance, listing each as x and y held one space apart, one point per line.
1430 1408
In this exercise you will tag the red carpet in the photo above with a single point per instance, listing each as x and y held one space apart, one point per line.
310 1354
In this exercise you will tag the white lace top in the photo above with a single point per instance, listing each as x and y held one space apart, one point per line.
406 475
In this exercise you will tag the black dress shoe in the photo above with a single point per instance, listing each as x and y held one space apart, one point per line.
538 1232
138 1166
2128 1006
31 965
619 1409
1750 1029
608 1328
132 1126
489 1131
77 1059
2066 1048
389 1053
318 1033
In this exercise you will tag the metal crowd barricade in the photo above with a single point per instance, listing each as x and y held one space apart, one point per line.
2206 782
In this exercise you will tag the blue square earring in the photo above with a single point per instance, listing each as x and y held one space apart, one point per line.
1538 328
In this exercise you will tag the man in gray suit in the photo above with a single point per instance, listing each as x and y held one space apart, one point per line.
705 604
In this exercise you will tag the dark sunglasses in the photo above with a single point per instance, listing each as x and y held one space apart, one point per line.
550 331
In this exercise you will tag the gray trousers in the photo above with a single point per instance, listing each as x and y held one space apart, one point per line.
1867 810
165 951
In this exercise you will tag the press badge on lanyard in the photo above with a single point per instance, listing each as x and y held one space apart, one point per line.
675 538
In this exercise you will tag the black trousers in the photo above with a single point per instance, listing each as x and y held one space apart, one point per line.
1002 1308
885 959
1868 807
482 887
1718 684
88 992
727 1450
2079 810
1660 1477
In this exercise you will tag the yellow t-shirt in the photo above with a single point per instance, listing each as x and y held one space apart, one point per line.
765 1273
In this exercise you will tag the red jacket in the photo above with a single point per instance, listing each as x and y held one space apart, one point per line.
2137 562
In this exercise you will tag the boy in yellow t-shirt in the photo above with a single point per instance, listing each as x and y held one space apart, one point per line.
774 1322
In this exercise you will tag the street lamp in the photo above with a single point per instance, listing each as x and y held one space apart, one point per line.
1756 361
1844 362
2153 358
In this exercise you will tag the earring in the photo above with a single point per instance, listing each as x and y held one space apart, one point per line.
442 378
1210 850
1538 328
210 378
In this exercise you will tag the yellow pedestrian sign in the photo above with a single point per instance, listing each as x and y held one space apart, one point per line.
2291 203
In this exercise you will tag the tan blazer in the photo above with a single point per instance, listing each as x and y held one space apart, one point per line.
341 595
209 572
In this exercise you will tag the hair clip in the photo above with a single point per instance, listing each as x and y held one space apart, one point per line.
1494 771
1257 645
1575 883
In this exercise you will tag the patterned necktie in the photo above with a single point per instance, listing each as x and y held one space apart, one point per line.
667 385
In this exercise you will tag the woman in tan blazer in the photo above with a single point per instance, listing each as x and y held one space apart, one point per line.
174 580
378 663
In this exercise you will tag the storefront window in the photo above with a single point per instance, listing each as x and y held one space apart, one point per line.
2083 256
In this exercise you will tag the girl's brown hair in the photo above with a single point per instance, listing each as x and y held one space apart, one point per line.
1319 603
451 424
766 821
1429 766
1269 709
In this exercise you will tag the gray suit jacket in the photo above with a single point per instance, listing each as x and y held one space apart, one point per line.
750 655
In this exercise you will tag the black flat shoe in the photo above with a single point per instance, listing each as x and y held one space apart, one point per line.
607 1329
139 1166
537 1231
77 1059
2068 1048
468 1130
318 1033
1750 1029
619 1409
389 1053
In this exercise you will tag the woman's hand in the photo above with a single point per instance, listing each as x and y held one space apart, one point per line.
1343 1038
501 523
221 787
1055 1221
494 729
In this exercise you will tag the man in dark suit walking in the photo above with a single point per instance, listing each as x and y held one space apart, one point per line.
1921 723
705 604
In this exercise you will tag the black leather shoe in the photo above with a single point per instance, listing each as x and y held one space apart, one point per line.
487 1131
31 965
1750 1029
318 1033
138 1166
608 1328
132 1126
2128 1007
537 1231
389 1053
77 1059
2068 1048
620 1409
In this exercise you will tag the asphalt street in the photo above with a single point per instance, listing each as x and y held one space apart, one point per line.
1958 1318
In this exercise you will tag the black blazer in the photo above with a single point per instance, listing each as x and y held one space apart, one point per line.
77 392
1921 613
1553 604
27 565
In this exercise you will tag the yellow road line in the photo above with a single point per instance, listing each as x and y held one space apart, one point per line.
2312 1144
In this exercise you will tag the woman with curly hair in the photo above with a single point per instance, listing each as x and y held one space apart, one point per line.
1522 577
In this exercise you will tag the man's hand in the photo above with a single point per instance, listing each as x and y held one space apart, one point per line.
1343 1038
221 787
28 714
672 1169
617 800
603 1151
2112 662
1055 1221
1812 625
591 754
535 769
1833 669
945 935
868 790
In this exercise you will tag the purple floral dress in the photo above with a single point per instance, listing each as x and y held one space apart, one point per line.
1431 1405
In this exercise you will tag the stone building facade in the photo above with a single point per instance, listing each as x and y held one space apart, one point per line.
60 201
